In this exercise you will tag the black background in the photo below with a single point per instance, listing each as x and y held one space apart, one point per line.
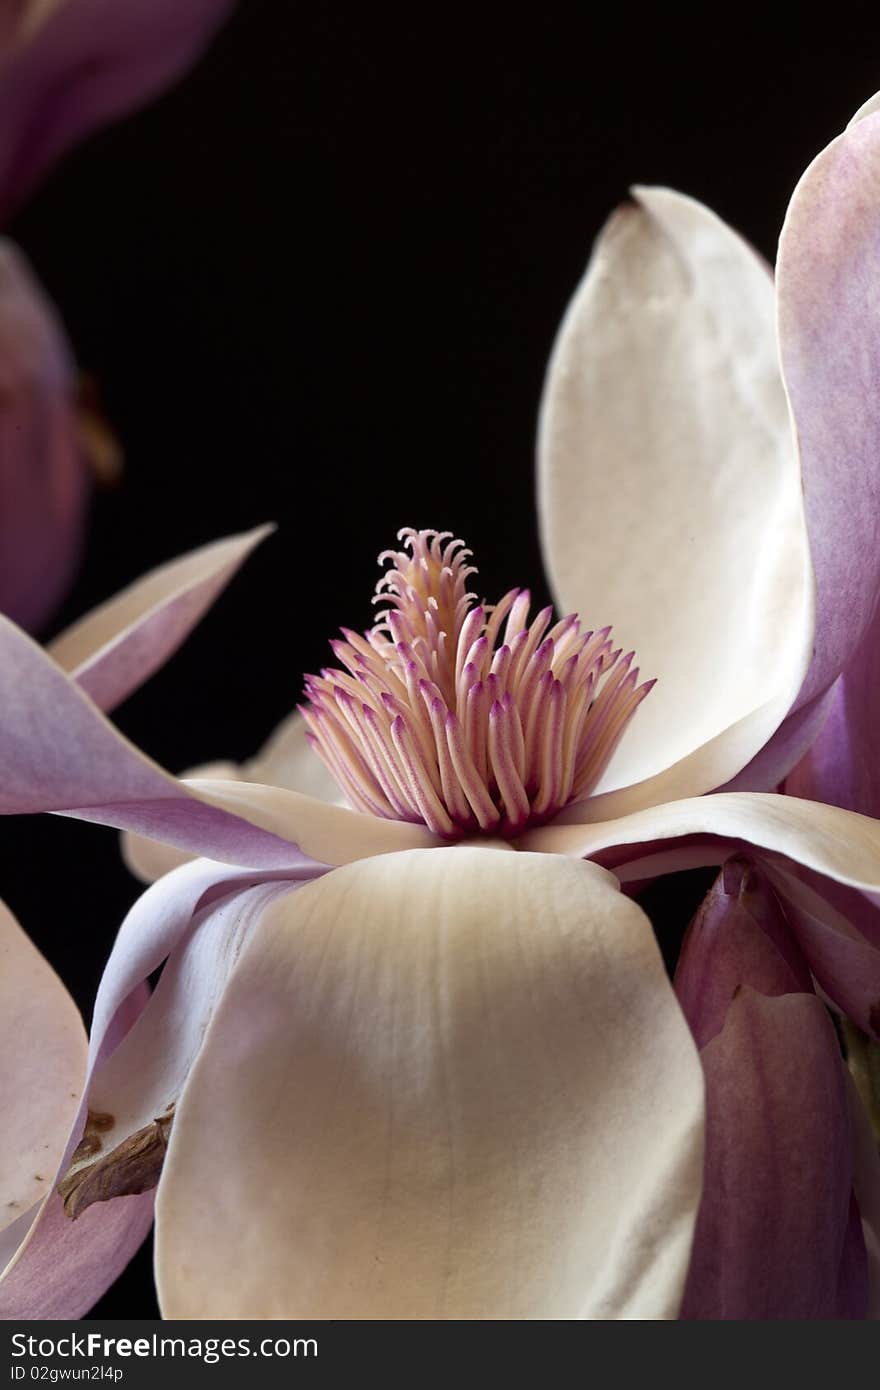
318 283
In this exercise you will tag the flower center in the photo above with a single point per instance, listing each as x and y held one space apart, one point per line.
465 717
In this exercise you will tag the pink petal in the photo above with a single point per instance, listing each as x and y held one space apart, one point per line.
61 1270
774 1238
43 479
43 1046
59 753
796 734
737 938
86 63
827 271
117 646
67 1266
843 764
844 963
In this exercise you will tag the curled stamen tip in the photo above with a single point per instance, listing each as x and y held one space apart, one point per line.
454 724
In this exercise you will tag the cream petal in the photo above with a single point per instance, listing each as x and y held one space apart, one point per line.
325 833
670 490
44 1046
136 1088
868 108
439 1085
285 760
118 645
840 844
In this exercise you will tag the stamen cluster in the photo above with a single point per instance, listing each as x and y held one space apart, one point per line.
465 717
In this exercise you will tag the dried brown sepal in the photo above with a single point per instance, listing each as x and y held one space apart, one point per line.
133 1166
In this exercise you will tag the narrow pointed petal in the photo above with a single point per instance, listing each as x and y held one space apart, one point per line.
285 760
69 67
117 646
149 859
829 259
44 483
43 1043
670 491
439 1085
773 1236
59 753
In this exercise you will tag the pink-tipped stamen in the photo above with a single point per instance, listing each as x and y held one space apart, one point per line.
465 717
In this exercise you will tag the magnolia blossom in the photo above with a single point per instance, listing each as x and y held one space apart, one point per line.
68 67
416 1055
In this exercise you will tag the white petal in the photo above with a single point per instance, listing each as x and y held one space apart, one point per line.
868 108
328 834
670 490
841 844
140 1082
452 1084
43 1044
